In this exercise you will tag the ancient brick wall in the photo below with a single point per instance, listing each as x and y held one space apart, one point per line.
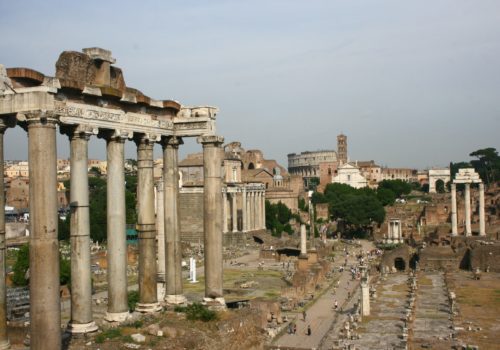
191 216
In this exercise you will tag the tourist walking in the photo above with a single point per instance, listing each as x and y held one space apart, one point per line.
308 330
304 315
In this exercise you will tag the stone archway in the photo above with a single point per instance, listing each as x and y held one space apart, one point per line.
399 264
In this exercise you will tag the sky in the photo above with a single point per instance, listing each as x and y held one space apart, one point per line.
412 83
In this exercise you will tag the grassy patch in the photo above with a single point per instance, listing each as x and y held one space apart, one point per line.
111 333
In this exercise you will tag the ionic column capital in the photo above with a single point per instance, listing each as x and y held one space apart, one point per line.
116 135
146 139
82 131
37 118
171 142
210 140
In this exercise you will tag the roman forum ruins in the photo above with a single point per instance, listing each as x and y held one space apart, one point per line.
88 97
467 177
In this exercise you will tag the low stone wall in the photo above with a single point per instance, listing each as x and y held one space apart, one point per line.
485 257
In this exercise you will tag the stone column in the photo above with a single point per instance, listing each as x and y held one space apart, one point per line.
468 230
4 339
244 217
258 211
263 213
81 276
482 227
303 240
116 233
160 231
225 216
252 211
234 213
454 221
212 216
365 291
173 252
45 303
148 297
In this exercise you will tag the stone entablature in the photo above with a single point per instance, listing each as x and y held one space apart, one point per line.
89 97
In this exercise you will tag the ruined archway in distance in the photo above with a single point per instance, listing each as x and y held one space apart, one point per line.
399 264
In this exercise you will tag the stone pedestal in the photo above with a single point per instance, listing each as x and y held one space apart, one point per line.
117 243
303 263
81 288
212 221
45 305
173 252
454 221
148 300
312 256
303 240
468 230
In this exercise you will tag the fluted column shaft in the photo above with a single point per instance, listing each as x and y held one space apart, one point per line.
148 298
173 252
116 237
4 339
160 231
244 214
212 208
482 224
468 230
454 221
234 214
45 306
81 276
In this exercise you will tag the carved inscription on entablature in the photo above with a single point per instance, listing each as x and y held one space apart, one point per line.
88 112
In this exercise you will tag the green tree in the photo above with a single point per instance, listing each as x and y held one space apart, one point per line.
277 218
487 164
386 196
399 187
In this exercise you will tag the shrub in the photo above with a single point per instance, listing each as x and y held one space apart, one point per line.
133 299
196 311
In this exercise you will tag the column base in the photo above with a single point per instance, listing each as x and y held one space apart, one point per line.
175 299
160 290
80 328
4 345
117 316
148 308
218 304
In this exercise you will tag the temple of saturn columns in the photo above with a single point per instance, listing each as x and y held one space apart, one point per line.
88 97
467 177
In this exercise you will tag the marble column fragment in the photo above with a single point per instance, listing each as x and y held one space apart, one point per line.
212 212
81 276
45 303
263 198
116 231
148 298
173 252
303 240
482 225
468 230
4 339
454 221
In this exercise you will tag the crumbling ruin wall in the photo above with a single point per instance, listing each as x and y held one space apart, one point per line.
440 258
388 259
485 257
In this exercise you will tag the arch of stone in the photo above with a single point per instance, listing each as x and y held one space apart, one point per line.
88 97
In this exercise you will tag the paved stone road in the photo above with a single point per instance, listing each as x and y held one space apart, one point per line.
321 314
